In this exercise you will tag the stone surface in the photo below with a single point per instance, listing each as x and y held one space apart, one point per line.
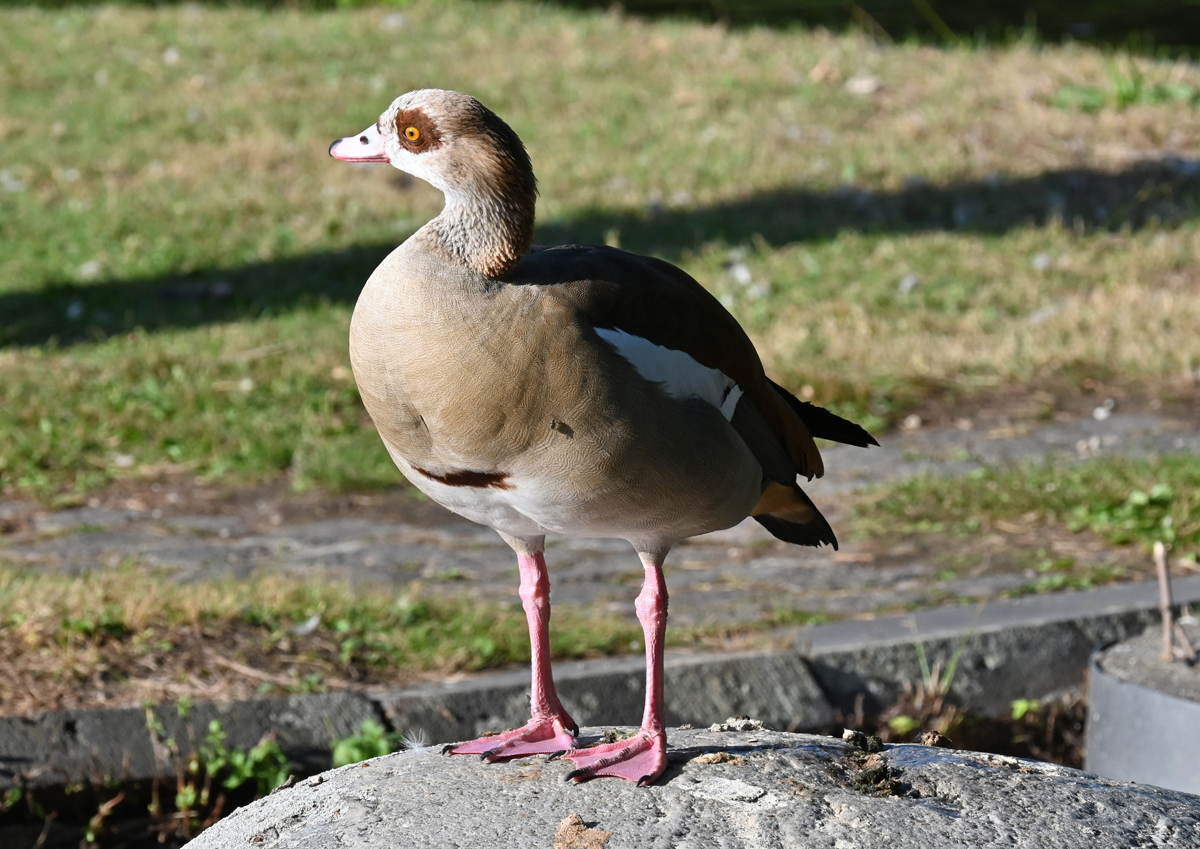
758 789
1139 661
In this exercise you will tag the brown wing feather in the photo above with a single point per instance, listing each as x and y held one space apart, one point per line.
653 299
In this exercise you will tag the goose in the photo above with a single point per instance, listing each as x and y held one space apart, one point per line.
576 389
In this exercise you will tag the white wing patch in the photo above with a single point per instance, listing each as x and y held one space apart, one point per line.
680 375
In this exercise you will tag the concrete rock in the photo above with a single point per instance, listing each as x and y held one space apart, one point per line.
721 789
1139 661
1143 713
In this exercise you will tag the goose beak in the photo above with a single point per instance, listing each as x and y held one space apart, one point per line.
367 146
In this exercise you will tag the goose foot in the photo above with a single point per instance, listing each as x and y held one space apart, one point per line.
641 759
541 735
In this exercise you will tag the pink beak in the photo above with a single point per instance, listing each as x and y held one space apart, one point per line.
367 146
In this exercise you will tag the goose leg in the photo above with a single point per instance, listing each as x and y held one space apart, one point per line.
551 729
643 757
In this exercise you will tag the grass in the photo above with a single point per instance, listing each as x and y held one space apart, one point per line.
180 257
87 641
1129 85
1122 501
88 638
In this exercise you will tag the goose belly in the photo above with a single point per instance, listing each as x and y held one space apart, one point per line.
540 426
611 478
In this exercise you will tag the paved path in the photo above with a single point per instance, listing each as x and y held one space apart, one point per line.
737 574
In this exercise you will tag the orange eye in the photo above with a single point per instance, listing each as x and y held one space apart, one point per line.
412 134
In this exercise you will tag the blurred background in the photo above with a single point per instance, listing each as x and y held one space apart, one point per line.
954 222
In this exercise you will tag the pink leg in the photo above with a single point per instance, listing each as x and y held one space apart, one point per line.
643 757
551 729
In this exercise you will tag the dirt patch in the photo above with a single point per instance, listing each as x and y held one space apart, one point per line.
573 833
719 758
102 666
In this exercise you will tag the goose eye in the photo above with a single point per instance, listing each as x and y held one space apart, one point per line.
412 133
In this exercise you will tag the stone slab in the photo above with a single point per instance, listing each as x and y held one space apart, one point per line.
721 790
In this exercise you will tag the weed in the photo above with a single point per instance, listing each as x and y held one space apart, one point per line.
1141 516
1021 707
203 780
925 705
264 764
1093 577
12 796
1045 730
371 741
103 812
1128 86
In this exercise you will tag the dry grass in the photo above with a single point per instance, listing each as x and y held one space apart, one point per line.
1122 307
123 635
90 641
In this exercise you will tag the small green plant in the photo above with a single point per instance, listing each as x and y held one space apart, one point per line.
265 764
1021 707
11 797
96 823
1141 516
1128 86
925 705
371 741
213 765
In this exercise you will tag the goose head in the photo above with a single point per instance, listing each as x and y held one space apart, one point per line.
458 145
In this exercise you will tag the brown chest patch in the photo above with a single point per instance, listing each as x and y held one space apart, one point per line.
479 480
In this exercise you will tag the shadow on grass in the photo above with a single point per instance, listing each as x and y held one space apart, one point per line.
1146 26
1167 192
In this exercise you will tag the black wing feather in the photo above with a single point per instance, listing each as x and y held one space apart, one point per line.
815 532
824 424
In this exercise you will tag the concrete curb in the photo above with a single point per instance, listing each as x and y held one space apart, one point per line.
59 748
1030 647
1025 648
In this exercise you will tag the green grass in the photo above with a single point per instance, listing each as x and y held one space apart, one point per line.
1123 501
74 641
180 257
1129 85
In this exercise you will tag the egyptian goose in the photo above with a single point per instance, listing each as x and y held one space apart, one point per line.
576 390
